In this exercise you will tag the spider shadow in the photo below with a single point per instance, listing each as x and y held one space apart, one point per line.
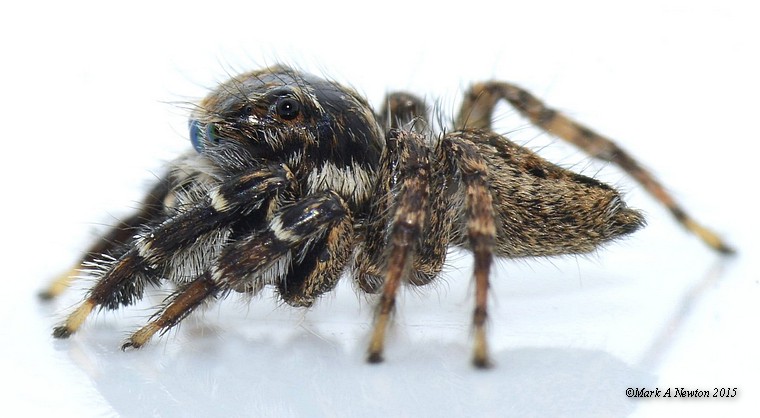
271 368
313 375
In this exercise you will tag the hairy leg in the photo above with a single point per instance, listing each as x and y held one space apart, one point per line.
123 282
461 155
397 220
477 111
403 110
182 303
240 265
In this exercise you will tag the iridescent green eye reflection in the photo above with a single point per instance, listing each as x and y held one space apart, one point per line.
197 134
211 133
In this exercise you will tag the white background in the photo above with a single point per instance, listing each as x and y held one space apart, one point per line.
92 104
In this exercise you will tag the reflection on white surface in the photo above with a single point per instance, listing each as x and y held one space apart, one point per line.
306 376
278 369
557 353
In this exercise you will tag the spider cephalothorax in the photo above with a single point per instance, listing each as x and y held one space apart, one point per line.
295 180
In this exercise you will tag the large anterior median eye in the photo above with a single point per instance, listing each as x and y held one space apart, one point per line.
198 134
195 135
287 108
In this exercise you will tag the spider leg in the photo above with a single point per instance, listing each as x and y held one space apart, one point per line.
403 110
317 234
241 263
123 281
115 239
461 154
477 111
398 220
320 266
182 304
408 112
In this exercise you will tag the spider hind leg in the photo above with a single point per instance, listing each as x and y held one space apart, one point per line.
477 112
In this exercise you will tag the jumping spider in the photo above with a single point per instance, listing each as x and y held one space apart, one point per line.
293 179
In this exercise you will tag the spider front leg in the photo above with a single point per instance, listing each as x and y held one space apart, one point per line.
477 112
113 242
181 304
153 250
314 235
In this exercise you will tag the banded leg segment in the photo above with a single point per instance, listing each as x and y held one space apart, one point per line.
477 112
242 263
182 304
461 155
320 267
406 111
123 282
304 236
405 202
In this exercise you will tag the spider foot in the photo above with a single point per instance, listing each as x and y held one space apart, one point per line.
481 359
375 357
129 345
74 321
57 286
45 295
709 237
377 344
62 332
141 337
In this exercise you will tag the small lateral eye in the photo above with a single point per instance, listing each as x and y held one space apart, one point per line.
287 108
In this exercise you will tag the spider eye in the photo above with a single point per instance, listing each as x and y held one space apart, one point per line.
287 108
198 134
195 135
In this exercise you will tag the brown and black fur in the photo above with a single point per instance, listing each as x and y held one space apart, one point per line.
295 180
